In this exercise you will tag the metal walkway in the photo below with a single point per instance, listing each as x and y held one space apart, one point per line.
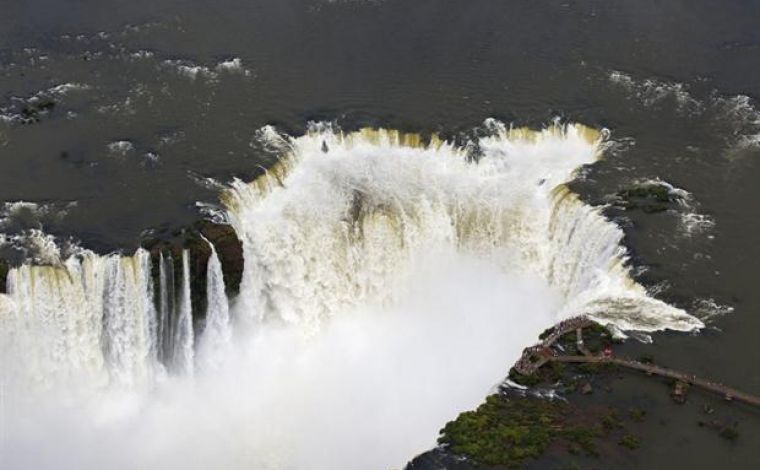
536 356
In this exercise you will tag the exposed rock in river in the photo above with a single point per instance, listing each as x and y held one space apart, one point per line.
650 197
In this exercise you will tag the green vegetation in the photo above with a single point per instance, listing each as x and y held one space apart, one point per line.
646 359
550 373
524 380
509 428
592 368
595 338
725 430
546 333
729 432
630 441
611 421
648 197
637 414
506 431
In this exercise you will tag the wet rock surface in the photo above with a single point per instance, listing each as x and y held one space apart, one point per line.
196 240
649 197
4 267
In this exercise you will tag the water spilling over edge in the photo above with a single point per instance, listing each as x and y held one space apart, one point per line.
342 222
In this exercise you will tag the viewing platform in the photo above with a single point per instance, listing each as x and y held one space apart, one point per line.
534 357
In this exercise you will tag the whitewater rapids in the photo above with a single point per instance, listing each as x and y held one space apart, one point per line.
389 282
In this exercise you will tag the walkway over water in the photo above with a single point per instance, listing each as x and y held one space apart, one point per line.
536 356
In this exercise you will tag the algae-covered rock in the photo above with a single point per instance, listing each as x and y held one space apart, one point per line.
507 431
650 197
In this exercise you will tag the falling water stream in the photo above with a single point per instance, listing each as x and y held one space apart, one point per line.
389 282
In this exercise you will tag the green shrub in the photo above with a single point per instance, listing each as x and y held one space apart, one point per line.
630 441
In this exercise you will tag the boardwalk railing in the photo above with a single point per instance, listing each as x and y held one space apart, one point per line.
536 356
727 392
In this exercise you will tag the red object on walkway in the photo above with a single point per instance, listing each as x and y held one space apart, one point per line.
608 352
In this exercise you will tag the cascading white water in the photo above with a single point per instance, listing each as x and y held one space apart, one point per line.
90 320
164 332
388 284
343 216
184 339
128 316
217 332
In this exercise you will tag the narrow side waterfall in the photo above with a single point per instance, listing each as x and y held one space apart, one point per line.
184 339
217 332
372 258
166 308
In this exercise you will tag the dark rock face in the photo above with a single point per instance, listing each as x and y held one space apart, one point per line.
3 275
228 248
230 251
439 459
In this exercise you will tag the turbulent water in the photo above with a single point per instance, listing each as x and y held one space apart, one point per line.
390 279
343 216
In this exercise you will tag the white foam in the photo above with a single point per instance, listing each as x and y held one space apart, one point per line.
737 118
190 70
121 147
652 91
388 285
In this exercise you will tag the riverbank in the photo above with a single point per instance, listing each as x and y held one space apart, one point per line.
574 414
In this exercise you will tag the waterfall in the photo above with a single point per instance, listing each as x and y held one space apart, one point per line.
183 354
587 263
326 230
88 320
339 222
128 315
166 308
371 258
93 320
217 332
